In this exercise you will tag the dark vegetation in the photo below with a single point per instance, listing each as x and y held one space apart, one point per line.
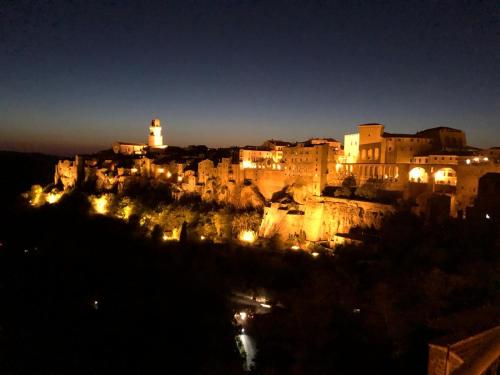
164 308
21 170
372 191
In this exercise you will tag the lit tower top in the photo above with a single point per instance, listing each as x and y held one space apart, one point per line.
155 139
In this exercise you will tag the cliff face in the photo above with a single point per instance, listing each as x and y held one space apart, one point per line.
66 172
237 195
320 219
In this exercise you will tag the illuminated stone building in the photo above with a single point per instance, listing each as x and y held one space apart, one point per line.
433 169
206 170
253 157
155 139
468 178
351 148
332 143
417 166
309 163
227 171
269 155
128 148
155 142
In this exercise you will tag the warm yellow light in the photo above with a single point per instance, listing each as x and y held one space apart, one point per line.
179 178
53 197
36 192
418 174
174 236
295 247
265 305
127 211
161 170
446 176
247 236
247 164
100 204
202 238
243 315
467 161
133 170
315 254
439 175
169 174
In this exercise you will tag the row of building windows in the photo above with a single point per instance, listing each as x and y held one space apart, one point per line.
369 155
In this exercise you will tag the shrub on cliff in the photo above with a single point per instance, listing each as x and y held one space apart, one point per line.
343 192
367 191
370 190
349 182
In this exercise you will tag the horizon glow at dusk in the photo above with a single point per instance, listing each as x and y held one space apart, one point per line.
79 75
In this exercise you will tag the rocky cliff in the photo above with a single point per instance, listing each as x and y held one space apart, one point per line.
232 193
321 219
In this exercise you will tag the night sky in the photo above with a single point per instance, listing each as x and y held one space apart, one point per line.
77 75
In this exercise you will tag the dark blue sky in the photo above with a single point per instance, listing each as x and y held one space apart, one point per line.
77 75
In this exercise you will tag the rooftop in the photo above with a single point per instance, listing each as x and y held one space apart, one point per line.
440 128
131 143
401 135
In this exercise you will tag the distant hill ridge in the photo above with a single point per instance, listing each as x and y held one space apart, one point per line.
20 170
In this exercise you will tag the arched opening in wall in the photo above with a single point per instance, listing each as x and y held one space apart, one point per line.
446 176
363 154
377 153
419 175
370 154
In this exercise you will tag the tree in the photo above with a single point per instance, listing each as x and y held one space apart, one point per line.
368 191
349 182
343 191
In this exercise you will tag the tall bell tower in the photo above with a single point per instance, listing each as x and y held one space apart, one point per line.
155 139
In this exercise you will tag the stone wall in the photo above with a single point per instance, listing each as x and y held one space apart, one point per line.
468 182
268 181
320 219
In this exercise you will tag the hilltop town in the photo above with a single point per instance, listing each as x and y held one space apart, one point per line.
318 191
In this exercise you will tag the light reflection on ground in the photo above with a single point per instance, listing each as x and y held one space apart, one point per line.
250 350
